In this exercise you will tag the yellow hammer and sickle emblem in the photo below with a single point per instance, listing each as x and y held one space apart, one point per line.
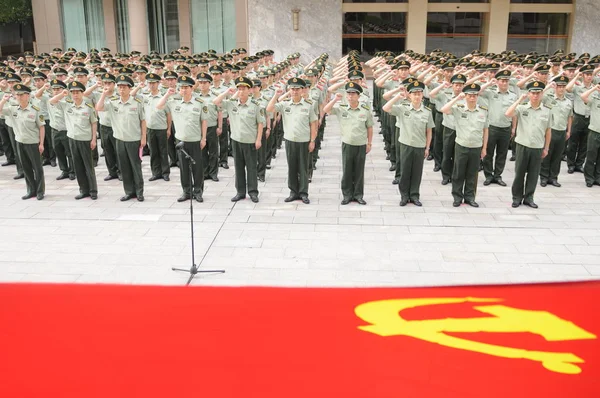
384 317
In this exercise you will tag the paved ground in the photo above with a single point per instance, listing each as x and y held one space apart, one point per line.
321 244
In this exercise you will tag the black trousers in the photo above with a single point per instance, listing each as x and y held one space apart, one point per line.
110 150
197 187
130 164
448 150
464 175
32 168
551 164
245 159
83 163
297 159
413 159
527 170
158 145
62 150
591 171
210 153
49 153
224 145
262 155
5 141
13 141
498 142
353 170
438 139
577 148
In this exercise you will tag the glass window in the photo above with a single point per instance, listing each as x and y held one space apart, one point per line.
369 32
456 32
122 25
83 24
537 32
163 23
213 25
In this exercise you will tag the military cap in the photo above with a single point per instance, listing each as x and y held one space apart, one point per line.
493 66
356 75
570 66
124 80
13 77
528 63
57 50
241 64
60 71
157 64
107 77
184 48
352 87
226 66
80 71
403 64
561 80
95 61
295 82
481 67
81 54
76 86
449 65
182 69
125 71
244 81
168 58
58 84
415 86
312 72
235 68
594 61
26 71
45 67
584 55
39 75
204 77
505 74
256 83
215 69
458 78
471 89
169 75
186 81
203 61
141 69
542 68
408 81
28 54
99 71
263 74
586 69
535 86
135 53
153 77
21 89
555 60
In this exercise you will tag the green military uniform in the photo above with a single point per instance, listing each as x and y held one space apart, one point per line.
244 121
532 124
224 142
58 129
187 118
12 104
79 120
126 117
449 128
577 147
499 130
26 123
210 153
591 170
156 124
107 137
470 126
297 118
414 123
263 152
562 110
354 124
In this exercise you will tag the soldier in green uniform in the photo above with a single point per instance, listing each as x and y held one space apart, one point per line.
300 132
356 125
246 118
260 97
40 79
532 140
81 122
129 126
498 99
214 120
12 79
29 129
158 124
190 128
471 122
577 148
416 124
562 117
591 170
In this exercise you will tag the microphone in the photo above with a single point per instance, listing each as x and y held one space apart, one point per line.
179 146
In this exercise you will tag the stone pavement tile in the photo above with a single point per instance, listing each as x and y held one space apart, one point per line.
541 248
593 269
575 259
531 258
11 277
52 278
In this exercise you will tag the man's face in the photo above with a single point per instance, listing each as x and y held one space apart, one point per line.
171 83
560 89
587 78
243 92
22 97
77 95
39 83
471 98
153 86
416 96
352 97
457 87
184 91
217 77
296 92
534 96
569 73
204 85
83 79
56 91
124 89
227 75
502 84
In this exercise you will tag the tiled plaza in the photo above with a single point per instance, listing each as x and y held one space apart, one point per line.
274 243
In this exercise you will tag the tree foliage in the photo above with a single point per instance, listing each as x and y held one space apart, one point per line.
15 11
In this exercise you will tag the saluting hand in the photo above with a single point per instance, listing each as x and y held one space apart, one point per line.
171 91
338 97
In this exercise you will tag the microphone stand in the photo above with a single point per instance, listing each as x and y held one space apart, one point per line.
194 268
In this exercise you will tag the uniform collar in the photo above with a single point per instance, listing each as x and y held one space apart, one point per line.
128 101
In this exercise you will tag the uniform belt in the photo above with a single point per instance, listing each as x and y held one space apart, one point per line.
580 115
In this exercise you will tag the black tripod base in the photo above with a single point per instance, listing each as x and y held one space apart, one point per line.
194 270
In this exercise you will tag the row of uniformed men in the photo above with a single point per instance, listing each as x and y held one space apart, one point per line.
496 93
127 111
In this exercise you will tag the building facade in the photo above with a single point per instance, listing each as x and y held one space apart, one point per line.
316 26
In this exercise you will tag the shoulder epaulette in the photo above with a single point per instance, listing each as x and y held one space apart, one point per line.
35 107
138 100
199 99
343 105
308 101
460 105
483 107
365 106
428 108
90 105
547 106
69 100
114 97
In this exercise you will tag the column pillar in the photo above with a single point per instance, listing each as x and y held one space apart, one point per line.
110 26
416 27
585 27
138 26
47 24
185 27
241 24
496 26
